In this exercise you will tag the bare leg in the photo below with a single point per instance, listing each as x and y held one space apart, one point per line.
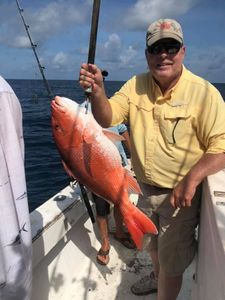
103 231
168 287
155 262
121 236
119 223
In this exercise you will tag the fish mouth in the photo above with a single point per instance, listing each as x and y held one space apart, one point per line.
57 104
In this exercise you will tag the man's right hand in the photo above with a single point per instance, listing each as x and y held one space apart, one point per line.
91 77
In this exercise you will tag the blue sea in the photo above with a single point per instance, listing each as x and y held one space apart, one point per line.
44 171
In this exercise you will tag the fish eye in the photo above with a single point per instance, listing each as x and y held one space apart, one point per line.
57 127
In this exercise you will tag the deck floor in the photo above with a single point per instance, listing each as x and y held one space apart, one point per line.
96 282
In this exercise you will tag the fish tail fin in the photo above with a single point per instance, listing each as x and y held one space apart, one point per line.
137 223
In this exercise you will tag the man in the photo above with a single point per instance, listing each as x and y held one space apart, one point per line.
103 208
15 231
177 139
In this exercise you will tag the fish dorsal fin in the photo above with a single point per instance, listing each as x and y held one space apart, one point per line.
114 137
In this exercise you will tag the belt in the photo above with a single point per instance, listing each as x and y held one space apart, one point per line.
156 188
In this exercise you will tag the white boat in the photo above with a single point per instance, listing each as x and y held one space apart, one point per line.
65 243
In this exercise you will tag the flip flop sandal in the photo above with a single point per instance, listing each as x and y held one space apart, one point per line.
126 241
103 254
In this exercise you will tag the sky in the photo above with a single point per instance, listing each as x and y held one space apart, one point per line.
61 30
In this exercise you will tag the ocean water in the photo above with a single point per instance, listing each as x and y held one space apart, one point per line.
44 171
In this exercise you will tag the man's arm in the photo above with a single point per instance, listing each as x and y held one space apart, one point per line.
126 142
209 164
91 76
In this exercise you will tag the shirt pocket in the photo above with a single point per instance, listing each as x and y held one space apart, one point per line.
176 125
140 114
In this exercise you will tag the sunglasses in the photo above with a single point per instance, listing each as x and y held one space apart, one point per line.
169 47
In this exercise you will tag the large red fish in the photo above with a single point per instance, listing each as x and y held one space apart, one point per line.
90 156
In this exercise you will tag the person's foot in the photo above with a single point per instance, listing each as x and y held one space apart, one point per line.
125 240
146 285
103 257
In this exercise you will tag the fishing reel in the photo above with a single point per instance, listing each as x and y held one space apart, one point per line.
104 74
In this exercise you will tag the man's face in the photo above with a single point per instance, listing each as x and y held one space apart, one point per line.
165 59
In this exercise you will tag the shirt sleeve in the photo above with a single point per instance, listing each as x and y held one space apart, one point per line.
211 126
120 103
122 128
15 239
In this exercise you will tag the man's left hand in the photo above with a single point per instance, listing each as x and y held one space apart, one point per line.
183 193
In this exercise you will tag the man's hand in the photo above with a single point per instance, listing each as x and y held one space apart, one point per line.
91 76
208 164
183 193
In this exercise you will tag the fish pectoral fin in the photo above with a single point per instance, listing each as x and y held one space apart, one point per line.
88 136
67 169
114 137
133 186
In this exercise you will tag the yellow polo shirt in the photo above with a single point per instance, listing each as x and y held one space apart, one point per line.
170 133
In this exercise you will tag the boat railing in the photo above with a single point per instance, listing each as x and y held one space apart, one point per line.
210 269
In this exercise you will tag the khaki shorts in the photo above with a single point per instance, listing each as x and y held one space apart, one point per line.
176 242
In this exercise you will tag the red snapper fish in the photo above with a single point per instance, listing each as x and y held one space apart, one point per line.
90 155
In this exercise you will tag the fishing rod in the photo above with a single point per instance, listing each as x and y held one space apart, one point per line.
33 46
91 60
92 43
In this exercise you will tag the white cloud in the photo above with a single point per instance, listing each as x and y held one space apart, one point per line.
61 30
22 42
146 11
128 55
57 16
44 22
114 54
208 63
113 42
60 59
110 50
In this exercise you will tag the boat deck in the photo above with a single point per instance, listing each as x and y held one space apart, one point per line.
114 280
65 244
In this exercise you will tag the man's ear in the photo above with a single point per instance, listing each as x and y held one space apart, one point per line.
183 49
146 53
